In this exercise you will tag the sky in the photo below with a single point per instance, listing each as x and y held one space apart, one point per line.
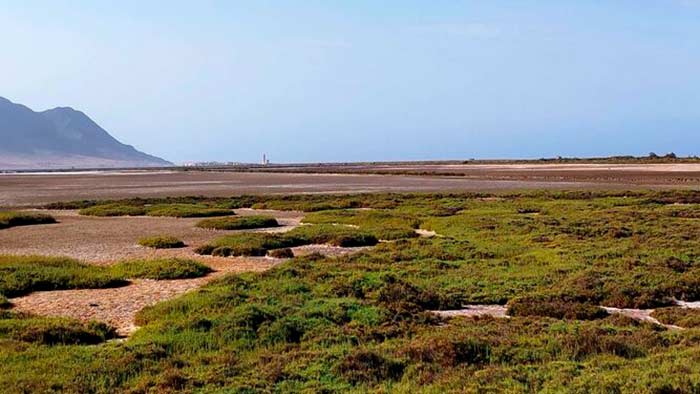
365 80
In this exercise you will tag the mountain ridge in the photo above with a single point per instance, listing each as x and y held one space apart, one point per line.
62 137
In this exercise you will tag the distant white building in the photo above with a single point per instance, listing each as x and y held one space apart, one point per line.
265 160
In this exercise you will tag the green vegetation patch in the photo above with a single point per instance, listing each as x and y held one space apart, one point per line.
114 209
52 330
162 242
258 244
555 307
170 268
238 223
186 210
20 275
363 322
13 218
140 208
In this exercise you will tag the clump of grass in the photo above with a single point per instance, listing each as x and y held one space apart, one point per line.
13 218
552 306
333 235
238 223
248 244
161 242
160 269
114 209
20 275
258 244
682 317
284 253
52 330
186 210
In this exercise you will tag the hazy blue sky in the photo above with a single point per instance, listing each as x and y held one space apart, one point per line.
365 79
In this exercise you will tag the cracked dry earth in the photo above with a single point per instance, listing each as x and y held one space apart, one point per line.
104 241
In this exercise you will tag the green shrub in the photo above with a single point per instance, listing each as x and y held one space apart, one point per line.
238 223
185 210
53 331
170 268
12 218
284 253
555 307
115 209
258 244
161 242
20 275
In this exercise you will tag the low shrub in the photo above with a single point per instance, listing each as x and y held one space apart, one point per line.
161 242
449 352
12 219
258 244
53 331
238 223
284 253
20 275
115 209
677 316
552 306
368 367
171 268
186 210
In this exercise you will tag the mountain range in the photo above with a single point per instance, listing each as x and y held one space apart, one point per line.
62 138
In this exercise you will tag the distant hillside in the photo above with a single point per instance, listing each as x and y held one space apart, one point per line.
61 138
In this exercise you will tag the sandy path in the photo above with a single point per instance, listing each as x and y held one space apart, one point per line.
501 311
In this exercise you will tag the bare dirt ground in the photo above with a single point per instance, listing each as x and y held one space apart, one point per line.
118 306
35 189
107 240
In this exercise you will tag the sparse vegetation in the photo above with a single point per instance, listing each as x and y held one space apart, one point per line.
162 242
13 218
52 331
238 223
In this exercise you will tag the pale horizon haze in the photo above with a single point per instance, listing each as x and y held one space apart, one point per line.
311 81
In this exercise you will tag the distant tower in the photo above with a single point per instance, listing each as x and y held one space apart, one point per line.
265 160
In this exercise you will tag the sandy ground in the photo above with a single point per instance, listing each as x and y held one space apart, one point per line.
34 189
118 306
108 240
